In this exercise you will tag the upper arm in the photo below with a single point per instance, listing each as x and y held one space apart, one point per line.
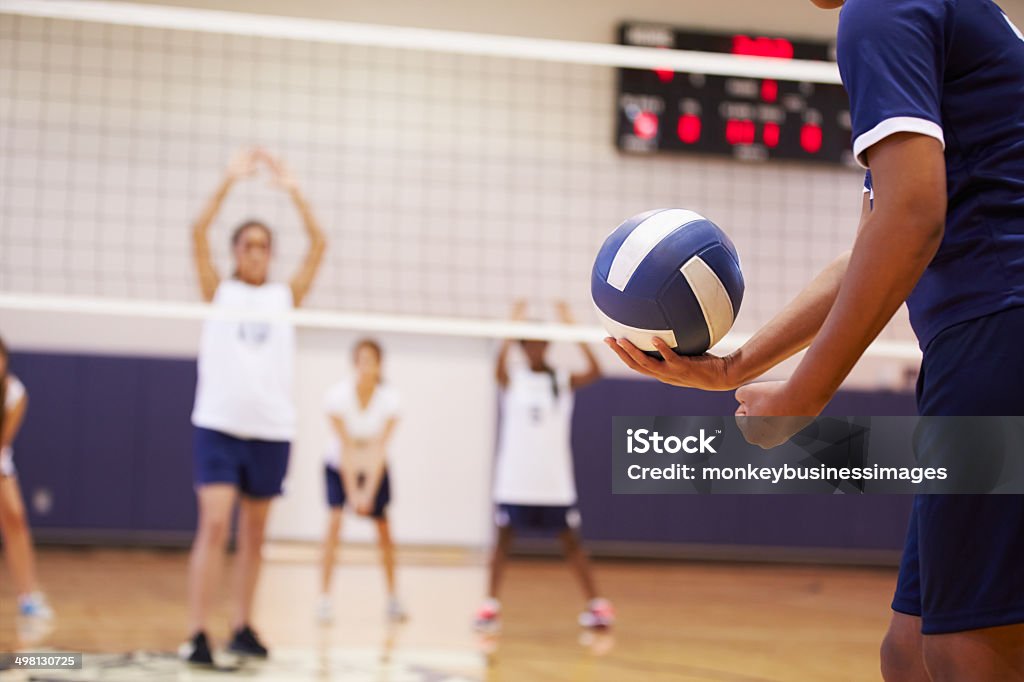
338 423
334 407
909 177
303 279
394 408
866 204
389 427
501 364
205 269
13 419
580 379
892 59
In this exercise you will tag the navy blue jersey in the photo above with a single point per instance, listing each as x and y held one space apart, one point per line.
953 70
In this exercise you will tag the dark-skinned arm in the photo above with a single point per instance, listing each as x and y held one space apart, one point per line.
891 252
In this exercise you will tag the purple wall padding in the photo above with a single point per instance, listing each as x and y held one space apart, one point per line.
790 521
108 441
106 452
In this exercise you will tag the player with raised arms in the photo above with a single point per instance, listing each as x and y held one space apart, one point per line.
244 418
534 486
13 523
937 103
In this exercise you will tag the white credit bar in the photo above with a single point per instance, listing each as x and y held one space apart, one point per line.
486 45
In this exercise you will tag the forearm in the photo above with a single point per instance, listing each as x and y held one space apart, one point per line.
212 207
348 465
501 367
793 328
375 466
309 221
12 422
891 252
380 452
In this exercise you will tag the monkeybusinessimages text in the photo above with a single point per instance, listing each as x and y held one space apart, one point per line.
648 442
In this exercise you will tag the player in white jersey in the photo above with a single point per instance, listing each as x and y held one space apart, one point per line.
363 412
13 524
244 418
534 485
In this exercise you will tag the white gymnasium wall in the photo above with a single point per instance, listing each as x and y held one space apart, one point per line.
442 449
797 215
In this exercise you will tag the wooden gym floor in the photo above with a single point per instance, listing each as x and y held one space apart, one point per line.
677 621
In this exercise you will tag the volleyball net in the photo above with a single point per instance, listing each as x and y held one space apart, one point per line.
453 173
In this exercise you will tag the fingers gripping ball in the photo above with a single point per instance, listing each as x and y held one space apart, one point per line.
668 273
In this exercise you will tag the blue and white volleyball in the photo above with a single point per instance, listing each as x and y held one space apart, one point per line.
671 274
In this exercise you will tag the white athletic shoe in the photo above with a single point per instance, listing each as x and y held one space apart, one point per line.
599 614
324 611
488 617
34 605
396 612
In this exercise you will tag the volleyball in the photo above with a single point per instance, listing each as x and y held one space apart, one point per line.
668 273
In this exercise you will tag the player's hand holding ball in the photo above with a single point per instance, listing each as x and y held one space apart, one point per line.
667 284
707 372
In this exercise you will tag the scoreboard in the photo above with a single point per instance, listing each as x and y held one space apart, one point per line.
753 119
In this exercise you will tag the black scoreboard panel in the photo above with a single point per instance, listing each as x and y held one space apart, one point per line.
746 118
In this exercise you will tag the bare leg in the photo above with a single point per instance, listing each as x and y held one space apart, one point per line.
986 654
902 654
330 549
207 560
387 553
17 537
252 526
579 562
498 560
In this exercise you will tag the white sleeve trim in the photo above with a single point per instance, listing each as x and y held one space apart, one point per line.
891 126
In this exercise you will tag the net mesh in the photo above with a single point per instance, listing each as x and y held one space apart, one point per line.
448 184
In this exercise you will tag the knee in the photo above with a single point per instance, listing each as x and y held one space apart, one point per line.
213 530
901 655
962 656
13 521
938 661
254 534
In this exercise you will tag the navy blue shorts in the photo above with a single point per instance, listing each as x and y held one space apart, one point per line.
963 562
336 490
536 517
255 467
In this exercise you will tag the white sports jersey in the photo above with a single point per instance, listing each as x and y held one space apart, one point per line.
15 392
361 423
534 464
245 368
